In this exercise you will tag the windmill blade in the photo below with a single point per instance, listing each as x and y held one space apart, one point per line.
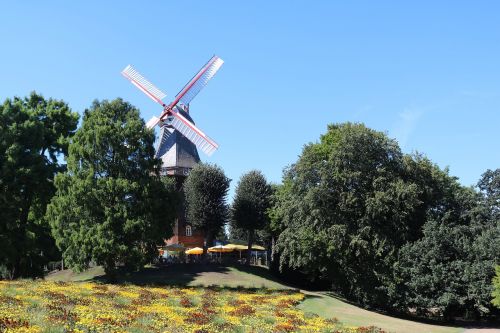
198 82
143 84
152 122
194 134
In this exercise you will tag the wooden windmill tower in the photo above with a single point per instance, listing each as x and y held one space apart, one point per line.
179 139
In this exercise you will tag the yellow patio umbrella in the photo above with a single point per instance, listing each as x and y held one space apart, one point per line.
245 247
195 250
258 248
220 248
237 247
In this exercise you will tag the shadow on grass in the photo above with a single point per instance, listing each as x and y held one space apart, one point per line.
171 275
197 275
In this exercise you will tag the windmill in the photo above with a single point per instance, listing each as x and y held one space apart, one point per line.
179 137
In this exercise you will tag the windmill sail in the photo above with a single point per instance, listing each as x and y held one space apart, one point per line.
152 122
194 134
143 84
185 96
199 81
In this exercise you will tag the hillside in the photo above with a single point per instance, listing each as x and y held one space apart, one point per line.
255 277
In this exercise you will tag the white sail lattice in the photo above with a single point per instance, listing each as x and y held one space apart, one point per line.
199 81
185 96
143 84
194 134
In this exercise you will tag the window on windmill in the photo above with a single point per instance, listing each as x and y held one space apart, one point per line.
189 231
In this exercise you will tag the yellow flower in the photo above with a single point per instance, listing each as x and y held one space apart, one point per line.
87 306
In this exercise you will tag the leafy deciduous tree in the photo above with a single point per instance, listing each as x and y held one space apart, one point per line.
451 266
205 191
489 185
34 133
111 206
386 229
250 205
342 211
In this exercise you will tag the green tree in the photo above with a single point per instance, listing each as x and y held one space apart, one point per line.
34 133
489 186
205 190
250 205
386 229
451 266
343 211
111 206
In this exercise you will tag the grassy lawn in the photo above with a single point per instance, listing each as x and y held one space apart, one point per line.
68 275
327 307
184 275
257 277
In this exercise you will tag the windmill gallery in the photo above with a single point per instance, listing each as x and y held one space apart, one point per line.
179 139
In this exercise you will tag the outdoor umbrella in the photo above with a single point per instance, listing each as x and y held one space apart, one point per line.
237 247
240 248
196 250
220 248
258 248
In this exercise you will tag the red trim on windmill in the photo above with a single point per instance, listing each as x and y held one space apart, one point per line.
185 96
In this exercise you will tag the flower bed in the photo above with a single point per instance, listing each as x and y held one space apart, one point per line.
28 306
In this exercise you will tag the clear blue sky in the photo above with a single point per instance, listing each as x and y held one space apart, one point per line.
427 73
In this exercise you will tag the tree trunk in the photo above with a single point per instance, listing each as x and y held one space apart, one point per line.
206 244
18 269
269 251
274 265
250 243
110 270
11 271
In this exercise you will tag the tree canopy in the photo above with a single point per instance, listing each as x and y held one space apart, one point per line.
489 186
342 210
386 229
205 190
111 205
251 203
34 133
452 264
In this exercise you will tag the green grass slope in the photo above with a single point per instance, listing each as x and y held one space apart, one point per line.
184 275
327 307
257 277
